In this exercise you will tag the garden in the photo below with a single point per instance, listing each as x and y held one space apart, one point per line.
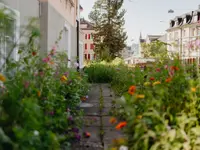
40 96
157 106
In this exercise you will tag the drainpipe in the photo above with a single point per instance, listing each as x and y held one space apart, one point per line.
77 30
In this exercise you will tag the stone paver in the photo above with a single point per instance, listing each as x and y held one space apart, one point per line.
96 121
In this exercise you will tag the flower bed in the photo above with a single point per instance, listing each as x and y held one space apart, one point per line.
40 101
158 108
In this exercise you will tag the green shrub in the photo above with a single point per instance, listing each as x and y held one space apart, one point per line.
40 100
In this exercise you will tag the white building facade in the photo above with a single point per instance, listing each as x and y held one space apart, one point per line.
183 36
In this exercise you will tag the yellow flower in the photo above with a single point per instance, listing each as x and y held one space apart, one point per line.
121 141
2 78
140 96
139 117
157 82
193 89
147 83
39 93
114 148
63 78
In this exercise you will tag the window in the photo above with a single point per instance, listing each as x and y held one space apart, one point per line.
85 56
88 56
91 46
198 32
9 34
193 32
85 46
86 36
176 35
184 32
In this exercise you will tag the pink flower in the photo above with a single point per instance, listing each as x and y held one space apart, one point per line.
26 84
197 43
35 74
46 60
76 64
53 51
41 73
190 45
166 66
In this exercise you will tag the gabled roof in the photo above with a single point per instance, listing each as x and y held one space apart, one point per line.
85 22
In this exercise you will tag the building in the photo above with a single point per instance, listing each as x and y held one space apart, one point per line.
151 38
88 30
54 16
126 52
183 36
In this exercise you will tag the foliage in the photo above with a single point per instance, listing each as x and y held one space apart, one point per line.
155 49
162 111
40 99
108 21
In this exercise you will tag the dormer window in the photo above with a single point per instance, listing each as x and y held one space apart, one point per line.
172 23
198 16
188 19
180 21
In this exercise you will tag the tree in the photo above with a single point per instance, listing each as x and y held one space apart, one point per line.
155 49
107 18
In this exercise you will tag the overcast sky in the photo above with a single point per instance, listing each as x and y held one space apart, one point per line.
145 15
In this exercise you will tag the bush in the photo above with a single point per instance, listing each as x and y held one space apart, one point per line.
161 108
40 100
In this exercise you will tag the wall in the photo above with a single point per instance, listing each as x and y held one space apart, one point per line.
88 42
65 9
25 7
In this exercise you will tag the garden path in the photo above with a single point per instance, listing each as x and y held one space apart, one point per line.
96 120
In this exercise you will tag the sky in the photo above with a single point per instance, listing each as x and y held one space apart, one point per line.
147 16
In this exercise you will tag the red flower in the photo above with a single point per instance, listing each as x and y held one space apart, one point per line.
34 53
152 78
158 69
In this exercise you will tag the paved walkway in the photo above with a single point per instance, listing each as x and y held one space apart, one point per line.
96 119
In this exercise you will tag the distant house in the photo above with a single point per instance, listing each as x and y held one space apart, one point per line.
54 16
88 31
151 38
183 36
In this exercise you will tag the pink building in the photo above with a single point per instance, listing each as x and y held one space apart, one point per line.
87 29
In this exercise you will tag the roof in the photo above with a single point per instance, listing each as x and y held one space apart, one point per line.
89 25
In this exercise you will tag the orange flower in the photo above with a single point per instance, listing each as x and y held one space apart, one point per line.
39 93
2 78
83 98
87 134
168 80
63 78
121 125
174 68
132 89
113 120
52 62
193 89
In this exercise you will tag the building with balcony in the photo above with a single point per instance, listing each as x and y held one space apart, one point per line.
54 16
183 36
88 30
